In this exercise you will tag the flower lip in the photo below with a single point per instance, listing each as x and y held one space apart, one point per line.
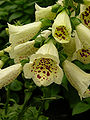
37 56
44 71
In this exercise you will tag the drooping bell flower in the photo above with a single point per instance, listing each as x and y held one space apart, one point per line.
78 78
44 66
85 15
44 13
82 32
7 75
25 50
82 54
61 28
22 34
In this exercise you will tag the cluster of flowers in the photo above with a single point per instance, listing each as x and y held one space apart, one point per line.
44 66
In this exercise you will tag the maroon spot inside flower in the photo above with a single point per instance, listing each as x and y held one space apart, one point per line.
38 76
48 74
39 71
41 68
31 70
44 72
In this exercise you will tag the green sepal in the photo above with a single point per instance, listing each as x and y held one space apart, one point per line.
74 22
39 41
55 8
46 23
24 61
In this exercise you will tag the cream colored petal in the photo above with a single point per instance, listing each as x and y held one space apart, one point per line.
21 34
83 34
45 33
48 50
27 69
23 51
43 71
9 74
58 75
85 15
77 77
61 28
44 13
69 48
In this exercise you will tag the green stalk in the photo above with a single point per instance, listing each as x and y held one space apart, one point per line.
7 101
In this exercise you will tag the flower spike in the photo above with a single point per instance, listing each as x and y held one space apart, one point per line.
61 28
43 67
78 78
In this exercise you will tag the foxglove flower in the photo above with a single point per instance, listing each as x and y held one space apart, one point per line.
82 54
83 34
61 28
44 13
9 74
22 34
78 78
44 66
85 15
25 50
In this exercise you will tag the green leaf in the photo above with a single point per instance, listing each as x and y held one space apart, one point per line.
16 85
39 41
55 8
80 107
46 105
42 117
24 61
15 16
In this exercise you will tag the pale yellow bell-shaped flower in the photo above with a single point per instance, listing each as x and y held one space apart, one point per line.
61 28
82 54
25 50
83 34
1 64
44 13
78 78
22 34
85 15
7 75
44 66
